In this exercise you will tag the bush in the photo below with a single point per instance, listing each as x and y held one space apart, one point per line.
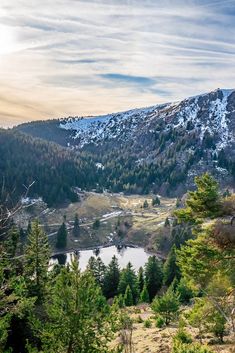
147 323
96 224
184 291
179 347
183 337
160 322
167 305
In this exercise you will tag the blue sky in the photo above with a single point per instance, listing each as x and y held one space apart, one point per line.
72 57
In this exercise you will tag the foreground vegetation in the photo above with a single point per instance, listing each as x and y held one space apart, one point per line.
64 310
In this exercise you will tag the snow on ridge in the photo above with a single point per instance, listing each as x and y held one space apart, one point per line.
96 129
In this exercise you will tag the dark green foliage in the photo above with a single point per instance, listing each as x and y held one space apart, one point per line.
141 279
96 224
129 278
78 316
170 268
111 279
167 222
156 201
97 268
76 226
36 261
61 242
153 276
54 169
145 204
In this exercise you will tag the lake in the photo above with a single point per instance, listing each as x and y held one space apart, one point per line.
137 256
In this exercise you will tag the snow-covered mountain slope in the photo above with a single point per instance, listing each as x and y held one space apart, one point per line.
208 114
163 146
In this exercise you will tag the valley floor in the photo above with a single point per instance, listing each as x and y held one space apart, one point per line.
122 220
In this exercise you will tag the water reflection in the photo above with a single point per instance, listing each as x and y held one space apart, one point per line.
137 256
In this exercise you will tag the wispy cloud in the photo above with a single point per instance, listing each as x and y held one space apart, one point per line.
69 56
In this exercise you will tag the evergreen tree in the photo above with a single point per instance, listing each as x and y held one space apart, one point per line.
128 297
111 279
156 201
145 204
167 305
96 224
167 222
37 257
141 279
78 316
97 268
128 277
76 226
184 291
153 276
202 203
170 268
144 295
61 242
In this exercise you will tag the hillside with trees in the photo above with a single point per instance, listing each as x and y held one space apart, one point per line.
191 295
53 170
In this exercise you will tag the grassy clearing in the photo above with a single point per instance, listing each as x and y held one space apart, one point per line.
159 340
122 217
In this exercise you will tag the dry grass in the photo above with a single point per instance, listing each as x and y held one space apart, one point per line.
159 340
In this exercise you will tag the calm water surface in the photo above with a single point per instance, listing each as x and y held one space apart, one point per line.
137 256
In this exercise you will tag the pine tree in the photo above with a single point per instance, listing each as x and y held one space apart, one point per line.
37 257
167 305
153 276
61 242
202 203
170 268
145 204
144 295
111 279
97 268
78 316
167 222
128 297
76 226
128 277
156 201
141 279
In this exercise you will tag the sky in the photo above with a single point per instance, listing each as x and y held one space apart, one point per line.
75 58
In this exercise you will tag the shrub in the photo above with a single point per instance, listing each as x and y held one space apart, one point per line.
160 322
147 323
183 336
167 305
179 347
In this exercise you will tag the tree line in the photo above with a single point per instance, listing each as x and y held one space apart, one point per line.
65 310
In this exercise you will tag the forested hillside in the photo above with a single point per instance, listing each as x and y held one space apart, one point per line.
66 310
53 169
160 148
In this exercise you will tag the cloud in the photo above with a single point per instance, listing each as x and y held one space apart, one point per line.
129 79
70 55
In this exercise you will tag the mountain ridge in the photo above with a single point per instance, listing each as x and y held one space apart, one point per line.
161 147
